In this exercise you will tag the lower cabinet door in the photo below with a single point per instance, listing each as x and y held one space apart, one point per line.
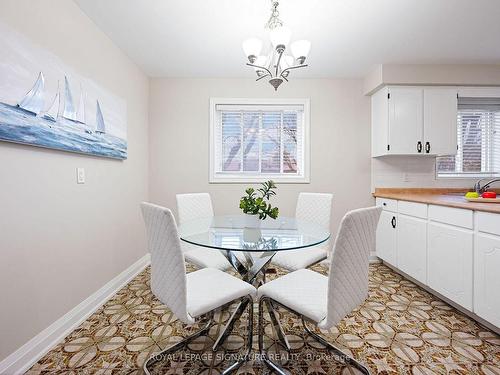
487 278
450 262
386 237
412 241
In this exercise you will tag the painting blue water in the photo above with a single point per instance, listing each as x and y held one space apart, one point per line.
20 126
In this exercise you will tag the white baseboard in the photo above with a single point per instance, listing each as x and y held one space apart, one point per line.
23 358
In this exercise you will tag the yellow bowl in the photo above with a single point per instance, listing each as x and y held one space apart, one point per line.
471 194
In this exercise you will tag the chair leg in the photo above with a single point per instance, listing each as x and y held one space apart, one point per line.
273 366
342 356
229 326
235 366
162 355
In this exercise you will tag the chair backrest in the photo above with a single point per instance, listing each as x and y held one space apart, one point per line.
194 206
314 207
168 270
348 277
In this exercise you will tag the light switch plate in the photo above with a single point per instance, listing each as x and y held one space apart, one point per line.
80 175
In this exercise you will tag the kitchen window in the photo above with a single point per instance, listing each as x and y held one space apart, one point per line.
478 140
252 140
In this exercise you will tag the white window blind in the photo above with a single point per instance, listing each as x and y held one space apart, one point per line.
478 140
253 142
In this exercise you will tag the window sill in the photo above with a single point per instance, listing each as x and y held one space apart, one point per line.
242 179
463 176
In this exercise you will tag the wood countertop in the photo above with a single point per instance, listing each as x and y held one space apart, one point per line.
440 197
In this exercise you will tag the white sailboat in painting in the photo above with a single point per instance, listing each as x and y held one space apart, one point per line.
80 115
53 112
99 119
69 111
33 100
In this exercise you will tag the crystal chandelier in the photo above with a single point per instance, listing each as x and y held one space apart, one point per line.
275 65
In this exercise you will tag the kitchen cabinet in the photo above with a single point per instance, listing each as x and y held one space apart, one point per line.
440 121
411 247
452 251
405 120
386 245
487 278
414 121
449 260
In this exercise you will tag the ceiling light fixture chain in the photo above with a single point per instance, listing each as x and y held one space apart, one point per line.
274 21
276 65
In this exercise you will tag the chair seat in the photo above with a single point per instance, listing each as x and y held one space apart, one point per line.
208 289
293 260
304 291
203 257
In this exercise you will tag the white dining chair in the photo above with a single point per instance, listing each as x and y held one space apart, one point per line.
323 300
195 206
315 208
190 297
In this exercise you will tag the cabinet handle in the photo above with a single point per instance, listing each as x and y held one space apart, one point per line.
419 146
393 221
384 204
427 147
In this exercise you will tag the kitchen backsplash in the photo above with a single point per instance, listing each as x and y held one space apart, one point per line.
409 172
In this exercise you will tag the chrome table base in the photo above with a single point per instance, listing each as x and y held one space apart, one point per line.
250 272
340 356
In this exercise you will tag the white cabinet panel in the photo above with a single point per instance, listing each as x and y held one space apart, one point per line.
386 237
412 247
487 278
488 222
387 204
380 122
449 262
405 120
440 121
413 209
451 215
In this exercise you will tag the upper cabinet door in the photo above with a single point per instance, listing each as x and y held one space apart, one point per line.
440 121
406 120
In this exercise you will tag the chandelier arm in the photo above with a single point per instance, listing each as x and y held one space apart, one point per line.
264 76
278 62
260 67
282 76
292 67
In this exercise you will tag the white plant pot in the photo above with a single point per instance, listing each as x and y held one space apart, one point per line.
251 235
252 221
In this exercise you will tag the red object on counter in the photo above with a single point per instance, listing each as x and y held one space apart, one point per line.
489 194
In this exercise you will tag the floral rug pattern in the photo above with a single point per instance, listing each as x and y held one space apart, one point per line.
400 329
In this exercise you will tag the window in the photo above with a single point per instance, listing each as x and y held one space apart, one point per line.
478 139
252 140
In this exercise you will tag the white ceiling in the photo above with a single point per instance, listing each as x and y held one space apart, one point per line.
202 38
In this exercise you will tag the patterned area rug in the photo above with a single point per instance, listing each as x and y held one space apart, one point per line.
400 329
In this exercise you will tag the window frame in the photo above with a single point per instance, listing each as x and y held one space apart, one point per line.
470 92
249 177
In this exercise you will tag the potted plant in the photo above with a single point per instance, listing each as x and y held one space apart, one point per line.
255 204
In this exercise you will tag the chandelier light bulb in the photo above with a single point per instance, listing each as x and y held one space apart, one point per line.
280 36
260 61
300 49
286 62
252 48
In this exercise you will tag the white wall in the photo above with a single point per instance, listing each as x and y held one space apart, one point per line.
60 241
340 140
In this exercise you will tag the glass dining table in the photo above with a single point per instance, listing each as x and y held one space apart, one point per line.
250 250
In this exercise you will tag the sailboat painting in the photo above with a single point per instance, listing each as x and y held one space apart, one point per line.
44 103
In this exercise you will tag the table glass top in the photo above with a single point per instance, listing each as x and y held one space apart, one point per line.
231 232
